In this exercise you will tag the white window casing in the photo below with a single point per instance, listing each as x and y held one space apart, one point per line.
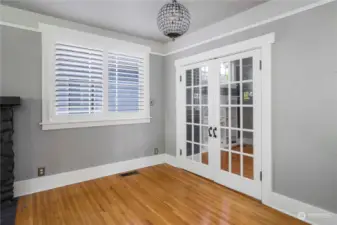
90 80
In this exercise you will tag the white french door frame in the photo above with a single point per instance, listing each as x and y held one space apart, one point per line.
263 43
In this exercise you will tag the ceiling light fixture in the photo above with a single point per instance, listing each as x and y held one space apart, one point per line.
173 19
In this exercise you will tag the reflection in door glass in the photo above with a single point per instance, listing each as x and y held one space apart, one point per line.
236 163
189 150
188 78
204 75
196 77
224 141
235 71
247 93
224 160
196 153
204 115
247 117
204 95
248 144
188 114
224 73
224 115
204 155
235 94
196 96
196 134
196 114
247 68
236 136
248 167
224 94
189 132
235 117
188 96
204 135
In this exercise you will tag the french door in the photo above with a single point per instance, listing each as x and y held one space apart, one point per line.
221 121
196 119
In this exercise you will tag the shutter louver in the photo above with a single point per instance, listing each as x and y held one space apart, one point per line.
78 80
126 83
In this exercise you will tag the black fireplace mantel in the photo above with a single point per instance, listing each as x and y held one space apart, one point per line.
8 204
9 101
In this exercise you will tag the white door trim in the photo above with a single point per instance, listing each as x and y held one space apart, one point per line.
243 46
264 44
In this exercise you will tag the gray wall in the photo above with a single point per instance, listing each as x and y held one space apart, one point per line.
68 149
304 103
304 124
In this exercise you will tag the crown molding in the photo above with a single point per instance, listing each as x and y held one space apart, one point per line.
27 20
3 23
258 16
39 31
255 17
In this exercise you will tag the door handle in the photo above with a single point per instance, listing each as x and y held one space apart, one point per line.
209 132
214 130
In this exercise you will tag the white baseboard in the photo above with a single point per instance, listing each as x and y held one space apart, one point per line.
311 214
172 160
34 185
292 207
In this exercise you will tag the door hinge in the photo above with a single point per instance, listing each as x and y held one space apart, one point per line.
181 78
260 175
260 64
181 152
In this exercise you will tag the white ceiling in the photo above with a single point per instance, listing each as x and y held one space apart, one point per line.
134 17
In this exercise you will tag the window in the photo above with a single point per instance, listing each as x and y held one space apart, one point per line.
126 83
78 80
90 80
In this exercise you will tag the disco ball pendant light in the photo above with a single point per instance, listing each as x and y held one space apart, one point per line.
173 19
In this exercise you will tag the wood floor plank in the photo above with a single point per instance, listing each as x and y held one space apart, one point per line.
157 195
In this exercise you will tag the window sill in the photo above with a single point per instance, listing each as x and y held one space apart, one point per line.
98 123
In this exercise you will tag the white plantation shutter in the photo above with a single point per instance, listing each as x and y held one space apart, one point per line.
78 80
86 83
126 83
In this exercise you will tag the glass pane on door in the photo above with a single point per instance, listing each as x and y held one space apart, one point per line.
197 111
236 117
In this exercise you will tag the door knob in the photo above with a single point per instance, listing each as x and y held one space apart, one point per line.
209 132
214 130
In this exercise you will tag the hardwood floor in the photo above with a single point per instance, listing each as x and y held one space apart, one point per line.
157 195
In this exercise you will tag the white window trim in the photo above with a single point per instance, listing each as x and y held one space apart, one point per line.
52 34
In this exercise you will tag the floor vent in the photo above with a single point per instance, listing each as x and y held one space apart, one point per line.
130 173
